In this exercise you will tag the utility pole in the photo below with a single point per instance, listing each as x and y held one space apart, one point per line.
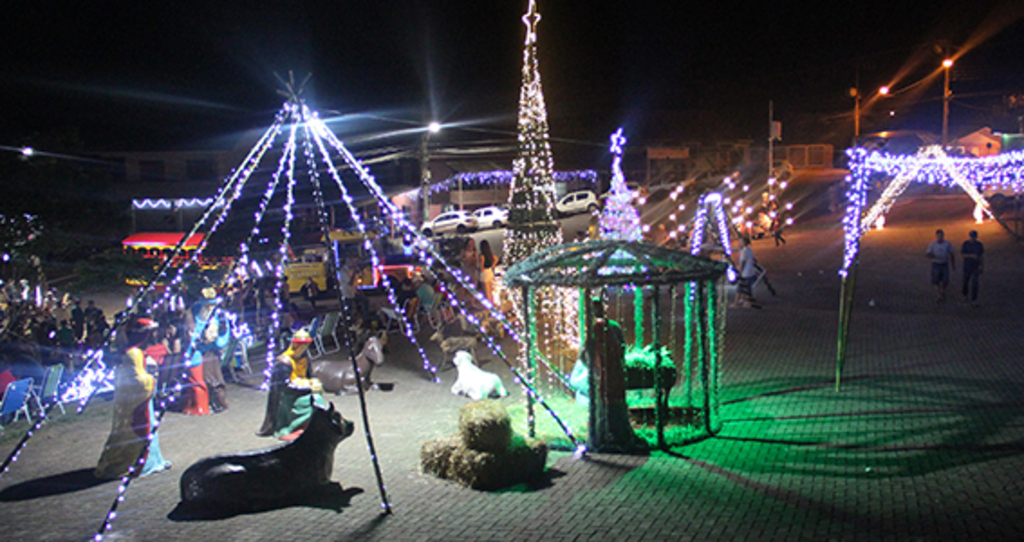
433 128
425 177
855 94
774 133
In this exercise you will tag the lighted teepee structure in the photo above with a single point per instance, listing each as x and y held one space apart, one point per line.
311 158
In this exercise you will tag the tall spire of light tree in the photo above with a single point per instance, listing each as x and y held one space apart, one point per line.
532 226
619 220
531 196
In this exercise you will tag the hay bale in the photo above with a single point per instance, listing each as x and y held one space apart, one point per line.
435 455
486 454
527 456
523 461
476 469
485 426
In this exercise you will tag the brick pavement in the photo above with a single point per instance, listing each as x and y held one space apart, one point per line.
923 443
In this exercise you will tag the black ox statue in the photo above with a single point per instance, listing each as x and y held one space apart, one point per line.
272 475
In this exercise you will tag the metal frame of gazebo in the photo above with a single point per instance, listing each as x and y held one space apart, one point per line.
616 269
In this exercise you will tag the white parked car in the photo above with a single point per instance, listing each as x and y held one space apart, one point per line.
573 203
490 217
457 221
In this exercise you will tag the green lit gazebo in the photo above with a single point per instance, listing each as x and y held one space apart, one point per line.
670 307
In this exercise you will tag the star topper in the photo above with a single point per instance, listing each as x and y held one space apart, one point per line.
291 90
618 140
530 19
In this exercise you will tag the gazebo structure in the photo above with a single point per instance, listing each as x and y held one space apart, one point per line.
656 376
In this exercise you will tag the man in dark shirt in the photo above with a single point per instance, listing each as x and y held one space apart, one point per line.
973 252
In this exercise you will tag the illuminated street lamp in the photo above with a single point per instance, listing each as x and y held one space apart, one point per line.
946 96
857 97
432 128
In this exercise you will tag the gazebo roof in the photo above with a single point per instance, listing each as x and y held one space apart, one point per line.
612 263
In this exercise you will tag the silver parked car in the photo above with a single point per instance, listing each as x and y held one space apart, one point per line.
491 217
583 201
457 221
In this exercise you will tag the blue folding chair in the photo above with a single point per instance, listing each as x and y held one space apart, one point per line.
16 400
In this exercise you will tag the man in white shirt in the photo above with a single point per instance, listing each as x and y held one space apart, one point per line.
940 251
748 274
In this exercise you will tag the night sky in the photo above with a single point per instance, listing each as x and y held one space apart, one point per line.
156 75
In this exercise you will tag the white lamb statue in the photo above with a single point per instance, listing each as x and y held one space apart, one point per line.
473 381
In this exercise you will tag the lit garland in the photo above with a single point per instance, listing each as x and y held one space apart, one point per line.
180 203
619 220
503 178
931 165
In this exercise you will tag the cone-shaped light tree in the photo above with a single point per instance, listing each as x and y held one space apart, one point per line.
619 220
532 221
531 198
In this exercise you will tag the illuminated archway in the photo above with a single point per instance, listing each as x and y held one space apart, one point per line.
931 165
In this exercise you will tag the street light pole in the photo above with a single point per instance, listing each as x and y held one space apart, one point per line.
432 128
946 96
425 176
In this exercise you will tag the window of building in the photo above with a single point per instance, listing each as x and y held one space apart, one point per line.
201 169
152 170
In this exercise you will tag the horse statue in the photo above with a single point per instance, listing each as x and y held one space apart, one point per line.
338 377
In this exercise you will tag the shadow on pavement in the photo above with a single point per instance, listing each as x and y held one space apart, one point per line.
330 497
58 484
889 425
542 481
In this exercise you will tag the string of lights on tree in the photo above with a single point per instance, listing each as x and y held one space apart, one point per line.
532 224
619 219
930 165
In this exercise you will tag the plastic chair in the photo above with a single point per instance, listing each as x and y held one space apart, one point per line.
391 318
435 312
313 351
16 399
328 328
48 391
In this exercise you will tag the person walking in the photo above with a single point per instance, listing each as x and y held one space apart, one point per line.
940 251
973 253
748 275
778 229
